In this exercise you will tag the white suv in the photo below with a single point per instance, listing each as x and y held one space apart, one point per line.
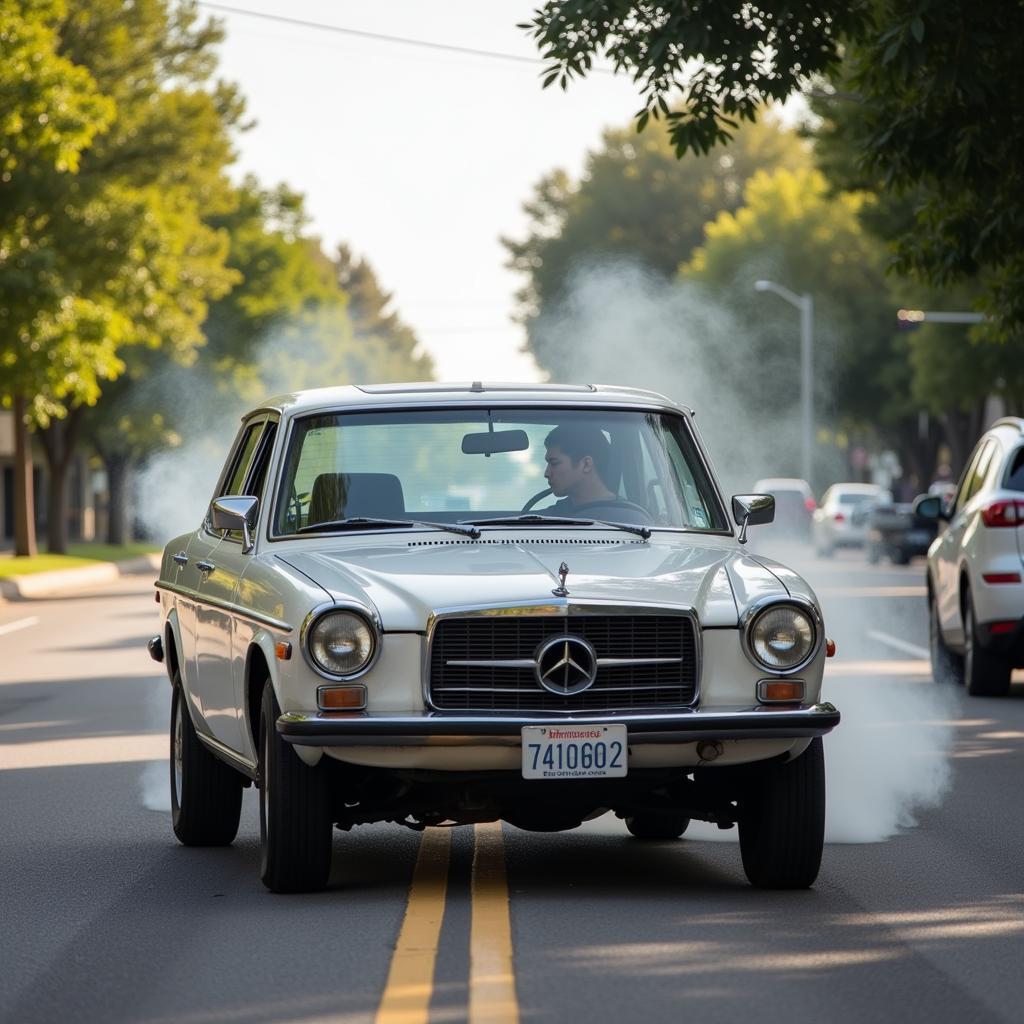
976 567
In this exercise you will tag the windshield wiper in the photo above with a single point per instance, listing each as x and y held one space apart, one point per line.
358 522
531 520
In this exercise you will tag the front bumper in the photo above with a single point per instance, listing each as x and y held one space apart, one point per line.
450 729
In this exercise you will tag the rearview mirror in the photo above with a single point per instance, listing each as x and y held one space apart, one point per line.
491 441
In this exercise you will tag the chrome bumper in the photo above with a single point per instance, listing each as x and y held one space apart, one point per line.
501 729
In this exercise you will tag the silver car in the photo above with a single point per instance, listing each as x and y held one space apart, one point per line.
436 604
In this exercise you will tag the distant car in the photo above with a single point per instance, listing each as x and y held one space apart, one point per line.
794 505
898 531
386 615
976 567
834 522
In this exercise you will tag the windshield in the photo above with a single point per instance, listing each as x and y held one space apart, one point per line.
474 464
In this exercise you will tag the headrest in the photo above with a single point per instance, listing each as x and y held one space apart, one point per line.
340 495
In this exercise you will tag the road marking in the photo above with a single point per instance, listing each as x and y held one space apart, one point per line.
410 983
871 591
17 624
898 644
492 983
144 746
879 669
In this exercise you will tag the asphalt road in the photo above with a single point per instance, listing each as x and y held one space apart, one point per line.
918 913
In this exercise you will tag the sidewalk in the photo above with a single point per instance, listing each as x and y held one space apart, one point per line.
63 581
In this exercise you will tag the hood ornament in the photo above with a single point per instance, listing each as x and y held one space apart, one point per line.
560 591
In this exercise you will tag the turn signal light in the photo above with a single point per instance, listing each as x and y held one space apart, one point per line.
342 698
830 648
780 690
283 650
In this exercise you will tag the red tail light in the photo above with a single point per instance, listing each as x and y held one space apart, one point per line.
1008 512
811 504
839 517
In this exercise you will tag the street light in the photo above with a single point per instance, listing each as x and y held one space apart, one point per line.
805 303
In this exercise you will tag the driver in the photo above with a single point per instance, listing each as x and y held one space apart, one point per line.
578 457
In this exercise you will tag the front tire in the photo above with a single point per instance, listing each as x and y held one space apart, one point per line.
295 821
985 673
654 825
206 795
782 822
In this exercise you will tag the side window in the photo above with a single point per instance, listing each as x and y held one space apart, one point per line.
963 487
258 476
981 470
1015 474
236 477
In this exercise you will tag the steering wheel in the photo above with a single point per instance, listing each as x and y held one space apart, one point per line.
617 503
537 497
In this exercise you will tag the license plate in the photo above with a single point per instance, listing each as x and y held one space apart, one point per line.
574 751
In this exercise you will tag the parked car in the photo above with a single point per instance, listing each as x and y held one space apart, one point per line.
976 565
794 505
436 604
835 523
898 531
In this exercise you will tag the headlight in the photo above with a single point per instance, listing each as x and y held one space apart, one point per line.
781 637
341 643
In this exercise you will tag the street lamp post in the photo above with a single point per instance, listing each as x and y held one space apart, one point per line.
804 303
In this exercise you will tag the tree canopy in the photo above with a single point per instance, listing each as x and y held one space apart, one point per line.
938 86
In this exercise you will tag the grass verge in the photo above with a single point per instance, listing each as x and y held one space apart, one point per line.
77 556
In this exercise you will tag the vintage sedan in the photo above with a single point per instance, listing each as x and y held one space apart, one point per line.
439 604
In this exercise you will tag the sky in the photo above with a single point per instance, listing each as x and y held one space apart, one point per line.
420 159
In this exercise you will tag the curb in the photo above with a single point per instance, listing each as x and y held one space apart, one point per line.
61 581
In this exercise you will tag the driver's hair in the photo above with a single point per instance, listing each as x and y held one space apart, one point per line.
579 439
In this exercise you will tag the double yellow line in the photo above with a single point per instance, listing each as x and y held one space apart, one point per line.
492 991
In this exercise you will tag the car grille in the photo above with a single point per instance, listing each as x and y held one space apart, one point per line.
616 687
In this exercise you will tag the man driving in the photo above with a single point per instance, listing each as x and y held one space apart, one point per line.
578 460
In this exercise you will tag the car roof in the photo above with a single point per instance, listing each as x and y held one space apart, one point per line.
368 396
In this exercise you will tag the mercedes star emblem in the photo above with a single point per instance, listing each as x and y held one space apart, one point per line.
566 665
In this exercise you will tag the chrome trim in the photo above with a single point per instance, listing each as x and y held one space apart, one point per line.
226 753
771 700
762 604
181 558
372 621
235 609
433 729
563 607
531 663
333 686
585 667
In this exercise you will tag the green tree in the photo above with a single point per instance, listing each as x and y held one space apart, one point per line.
939 84
119 253
635 201
50 111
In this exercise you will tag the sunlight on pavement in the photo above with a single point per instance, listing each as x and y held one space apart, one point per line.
144 746
900 667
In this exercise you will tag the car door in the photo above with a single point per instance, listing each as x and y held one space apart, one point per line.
216 557
951 545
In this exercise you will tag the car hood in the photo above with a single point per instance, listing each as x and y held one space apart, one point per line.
407 581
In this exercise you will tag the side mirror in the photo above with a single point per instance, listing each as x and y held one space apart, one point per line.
930 506
752 510
230 512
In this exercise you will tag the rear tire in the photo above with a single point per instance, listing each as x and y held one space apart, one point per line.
985 673
295 821
206 795
782 822
654 825
947 667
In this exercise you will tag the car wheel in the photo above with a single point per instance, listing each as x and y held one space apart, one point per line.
900 557
206 794
985 674
782 822
655 825
295 823
947 668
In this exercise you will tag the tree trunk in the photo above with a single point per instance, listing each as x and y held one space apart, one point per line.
59 441
24 503
118 471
